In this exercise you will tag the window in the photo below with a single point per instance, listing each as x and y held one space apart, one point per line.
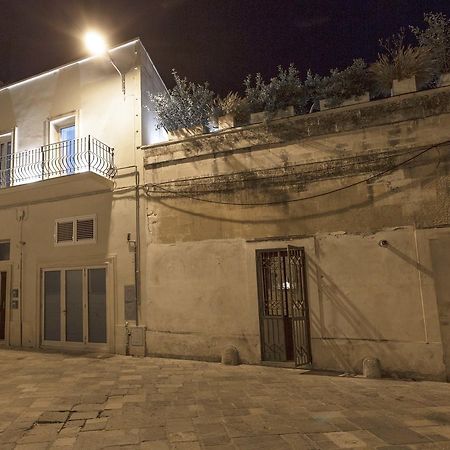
62 129
4 250
5 159
76 230
63 143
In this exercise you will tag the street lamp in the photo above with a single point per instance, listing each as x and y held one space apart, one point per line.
96 45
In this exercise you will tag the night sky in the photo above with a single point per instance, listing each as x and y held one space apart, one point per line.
219 41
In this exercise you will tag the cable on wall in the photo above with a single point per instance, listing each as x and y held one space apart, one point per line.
150 188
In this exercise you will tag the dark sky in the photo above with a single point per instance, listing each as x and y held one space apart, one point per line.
219 41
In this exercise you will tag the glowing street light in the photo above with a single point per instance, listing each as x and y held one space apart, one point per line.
96 45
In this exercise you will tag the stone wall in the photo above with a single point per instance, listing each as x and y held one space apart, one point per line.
336 183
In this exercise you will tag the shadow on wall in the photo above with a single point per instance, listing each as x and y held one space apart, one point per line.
409 260
288 217
346 347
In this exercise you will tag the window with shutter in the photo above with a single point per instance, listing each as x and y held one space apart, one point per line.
64 232
85 229
76 230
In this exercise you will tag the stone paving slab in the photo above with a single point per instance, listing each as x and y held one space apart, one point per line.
56 401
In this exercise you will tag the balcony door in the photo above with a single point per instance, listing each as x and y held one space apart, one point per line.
5 160
75 307
67 137
60 154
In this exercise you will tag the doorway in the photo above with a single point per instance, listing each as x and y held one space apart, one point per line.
74 307
2 305
283 305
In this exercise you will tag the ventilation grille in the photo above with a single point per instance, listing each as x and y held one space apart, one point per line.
64 231
85 229
75 230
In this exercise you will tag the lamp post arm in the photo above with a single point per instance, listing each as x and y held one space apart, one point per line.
122 76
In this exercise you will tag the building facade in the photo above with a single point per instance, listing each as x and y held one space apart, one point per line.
315 240
69 161
320 239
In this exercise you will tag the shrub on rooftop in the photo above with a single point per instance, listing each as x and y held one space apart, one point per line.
186 105
399 61
283 90
436 38
341 85
234 104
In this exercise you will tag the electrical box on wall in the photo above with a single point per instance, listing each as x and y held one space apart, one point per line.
15 299
136 342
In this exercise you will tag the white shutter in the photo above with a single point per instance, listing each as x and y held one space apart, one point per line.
85 229
64 232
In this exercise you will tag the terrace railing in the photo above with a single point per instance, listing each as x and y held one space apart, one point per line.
85 154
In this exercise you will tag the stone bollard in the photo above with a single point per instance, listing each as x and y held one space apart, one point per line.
371 368
230 356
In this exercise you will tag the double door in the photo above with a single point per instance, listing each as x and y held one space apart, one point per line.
75 307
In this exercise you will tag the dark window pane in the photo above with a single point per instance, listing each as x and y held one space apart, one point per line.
52 306
4 251
97 305
74 305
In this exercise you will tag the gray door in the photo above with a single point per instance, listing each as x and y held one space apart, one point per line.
75 307
2 305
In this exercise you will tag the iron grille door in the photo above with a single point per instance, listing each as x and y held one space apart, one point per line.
298 304
271 279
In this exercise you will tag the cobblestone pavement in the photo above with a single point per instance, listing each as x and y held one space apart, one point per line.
55 400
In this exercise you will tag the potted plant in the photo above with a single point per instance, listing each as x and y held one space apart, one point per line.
184 110
256 97
232 110
283 92
345 87
402 68
275 99
436 37
312 91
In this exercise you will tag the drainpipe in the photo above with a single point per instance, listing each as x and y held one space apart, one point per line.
137 251
20 218
136 242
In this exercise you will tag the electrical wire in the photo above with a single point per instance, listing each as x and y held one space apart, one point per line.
215 177
148 192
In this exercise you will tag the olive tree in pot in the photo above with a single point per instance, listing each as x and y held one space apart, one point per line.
401 68
185 110
436 38
256 97
232 111
346 87
275 99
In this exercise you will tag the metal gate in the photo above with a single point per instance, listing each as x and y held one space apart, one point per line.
283 305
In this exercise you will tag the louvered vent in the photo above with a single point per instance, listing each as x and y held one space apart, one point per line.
64 231
85 229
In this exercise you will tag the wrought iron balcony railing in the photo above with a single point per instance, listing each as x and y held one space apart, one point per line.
85 154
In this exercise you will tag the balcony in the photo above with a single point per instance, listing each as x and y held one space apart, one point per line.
71 157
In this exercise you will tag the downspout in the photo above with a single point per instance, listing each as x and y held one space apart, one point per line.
137 251
20 218
136 242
